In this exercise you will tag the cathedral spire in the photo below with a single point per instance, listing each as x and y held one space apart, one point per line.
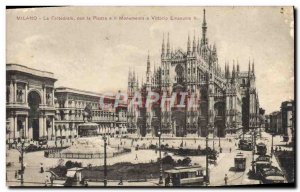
133 75
204 29
148 63
188 45
226 70
168 46
249 69
194 43
238 67
129 74
253 66
163 47
233 70
214 49
198 45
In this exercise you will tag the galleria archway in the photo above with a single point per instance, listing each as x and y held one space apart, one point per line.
34 100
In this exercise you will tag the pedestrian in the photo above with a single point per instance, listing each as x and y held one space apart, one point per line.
226 179
16 174
20 159
42 168
167 181
121 181
230 149
136 157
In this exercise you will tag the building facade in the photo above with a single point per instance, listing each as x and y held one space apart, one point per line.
36 110
287 109
71 106
282 122
226 100
30 110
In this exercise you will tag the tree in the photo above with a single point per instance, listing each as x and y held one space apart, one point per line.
168 160
186 161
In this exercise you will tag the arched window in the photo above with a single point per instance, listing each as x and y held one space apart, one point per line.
179 73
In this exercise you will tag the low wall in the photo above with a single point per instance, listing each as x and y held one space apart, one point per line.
58 154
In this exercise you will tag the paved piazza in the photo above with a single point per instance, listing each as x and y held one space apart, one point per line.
224 162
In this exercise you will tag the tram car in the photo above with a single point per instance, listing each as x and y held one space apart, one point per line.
262 162
185 176
272 175
245 145
240 162
261 149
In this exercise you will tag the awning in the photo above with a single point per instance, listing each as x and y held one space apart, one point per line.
275 178
71 173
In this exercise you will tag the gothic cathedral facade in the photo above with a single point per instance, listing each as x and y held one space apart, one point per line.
224 101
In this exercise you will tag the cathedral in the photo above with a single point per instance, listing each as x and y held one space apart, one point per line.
225 101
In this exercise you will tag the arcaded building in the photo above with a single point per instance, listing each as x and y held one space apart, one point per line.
30 110
36 110
72 108
227 100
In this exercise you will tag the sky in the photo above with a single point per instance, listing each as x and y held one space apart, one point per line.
95 54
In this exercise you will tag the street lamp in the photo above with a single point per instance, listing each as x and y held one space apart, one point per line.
272 150
207 174
22 161
105 167
160 160
21 150
219 136
253 148
213 138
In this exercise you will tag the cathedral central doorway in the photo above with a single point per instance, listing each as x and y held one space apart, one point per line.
34 101
180 123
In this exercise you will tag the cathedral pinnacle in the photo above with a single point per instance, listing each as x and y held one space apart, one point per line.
163 47
204 29
168 46
188 45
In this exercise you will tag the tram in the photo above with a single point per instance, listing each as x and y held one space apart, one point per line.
245 145
262 162
261 149
272 175
185 176
240 162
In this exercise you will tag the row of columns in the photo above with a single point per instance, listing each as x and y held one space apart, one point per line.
28 131
13 85
13 92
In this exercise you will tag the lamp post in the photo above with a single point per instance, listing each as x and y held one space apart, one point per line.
213 137
272 150
160 160
253 149
21 150
219 137
105 167
207 174
22 161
